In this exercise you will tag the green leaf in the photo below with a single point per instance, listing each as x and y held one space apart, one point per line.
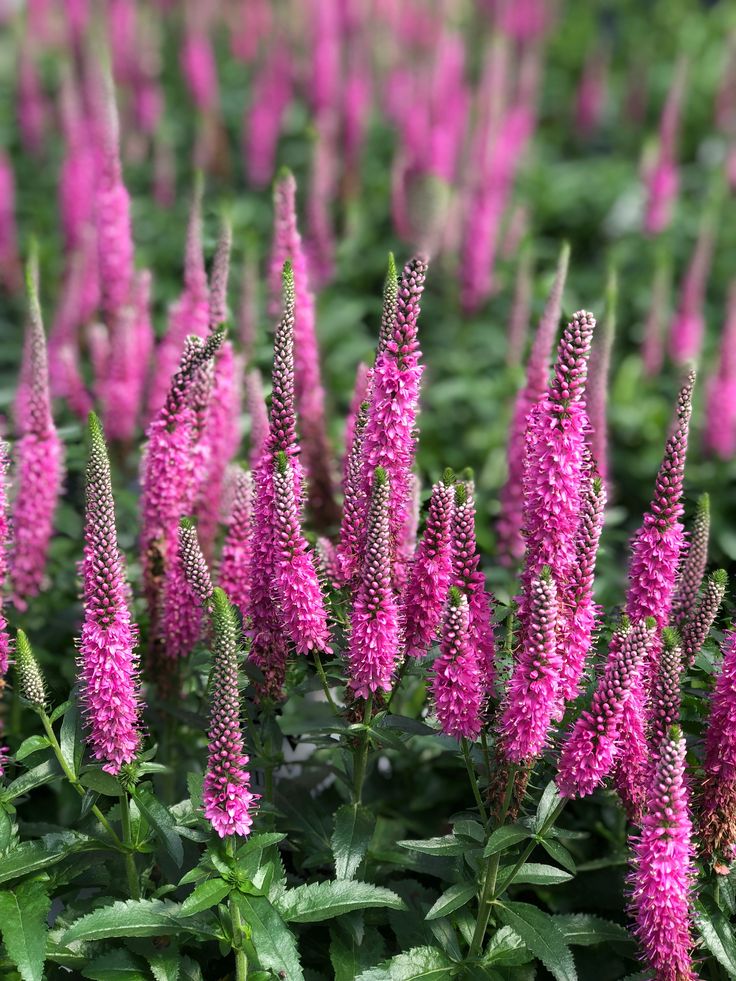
548 802
31 745
161 821
543 938
717 936
102 783
559 853
504 838
72 737
585 930
116 965
351 954
353 831
23 913
165 964
129 918
30 856
534 874
272 939
37 777
60 710
205 895
8 831
507 949
317 901
255 842
451 899
448 845
417 964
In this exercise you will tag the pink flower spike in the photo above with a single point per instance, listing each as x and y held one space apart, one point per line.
688 325
4 542
532 692
693 565
589 752
355 505
39 461
429 580
374 623
228 801
662 179
596 392
718 803
652 348
510 538
664 705
696 628
520 306
457 682
720 427
663 875
235 556
108 662
258 416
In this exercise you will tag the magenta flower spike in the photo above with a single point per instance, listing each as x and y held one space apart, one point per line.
374 621
360 395
652 349
696 628
327 562
426 591
39 456
457 678
389 307
355 505
532 692
662 179
596 391
235 555
301 602
181 613
720 413
322 191
271 95
692 567
248 306
510 538
664 704
589 751
663 872
193 562
4 543
108 660
468 577
199 69
688 325
390 432
190 313
520 306
717 818
10 274
226 794
590 100
258 416
310 396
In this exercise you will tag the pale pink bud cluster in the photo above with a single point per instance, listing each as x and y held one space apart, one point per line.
457 682
426 590
696 629
235 555
692 567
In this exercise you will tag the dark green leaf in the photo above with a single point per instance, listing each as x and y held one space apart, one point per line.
504 838
165 964
448 845
350 955
205 895
417 964
130 918
23 913
116 965
717 936
30 856
353 831
316 901
547 804
72 737
272 939
559 853
60 710
507 949
543 938
99 781
161 821
585 930
37 777
453 898
31 745
534 874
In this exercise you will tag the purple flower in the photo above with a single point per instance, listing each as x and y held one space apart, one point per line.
596 391
108 662
355 504
692 566
235 555
720 431
717 818
663 874
697 627
662 179
457 682
228 801
688 325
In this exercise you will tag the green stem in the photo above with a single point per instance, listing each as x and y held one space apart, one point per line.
491 875
130 869
362 755
325 683
241 959
73 780
473 780
533 844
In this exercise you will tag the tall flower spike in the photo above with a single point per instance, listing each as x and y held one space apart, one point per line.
532 691
688 324
578 591
663 874
692 567
589 751
510 538
662 179
429 580
228 801
359 396
664 707
374 622
652 348
720 431
695 630
309 392
39 462
4 543
301 602
390 432
219 276
193 562
597 387
390 299
258 416
355 505
717 818
457 683
520 306
235 555
468 577
30 682
108 661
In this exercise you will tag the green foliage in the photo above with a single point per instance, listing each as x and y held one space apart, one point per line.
23 912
